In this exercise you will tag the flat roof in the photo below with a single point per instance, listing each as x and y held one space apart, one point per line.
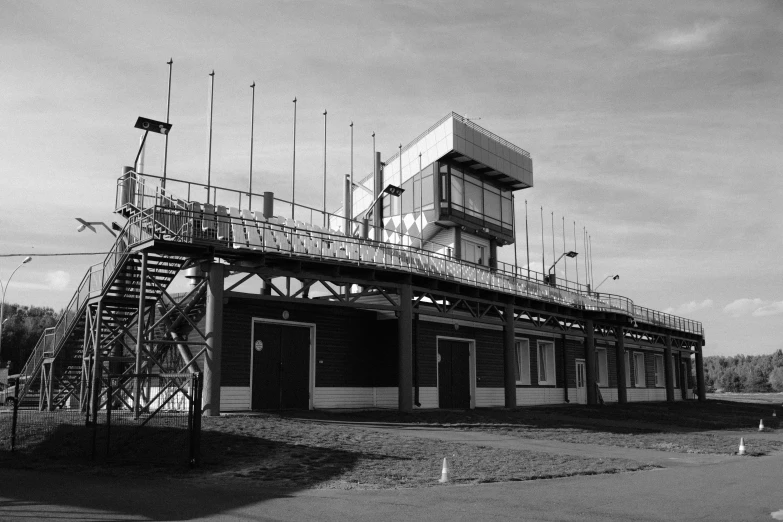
457 138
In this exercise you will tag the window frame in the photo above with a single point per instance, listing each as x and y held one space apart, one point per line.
519 343
627 356
639 377
550 369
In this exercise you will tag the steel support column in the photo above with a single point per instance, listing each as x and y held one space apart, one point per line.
214 333
405 349
668 369
592 396
140 336
509 357
700 375
97 364
622 386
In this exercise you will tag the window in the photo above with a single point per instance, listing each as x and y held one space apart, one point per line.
474 253
491 204
601 367
407 197
627 370
508 218
474 201
638 370
456 190
659 373
522 368
546 362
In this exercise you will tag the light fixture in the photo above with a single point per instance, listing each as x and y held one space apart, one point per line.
614 278
148 125
89 224
550 278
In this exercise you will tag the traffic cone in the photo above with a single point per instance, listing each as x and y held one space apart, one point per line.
741 447
761 425
444 475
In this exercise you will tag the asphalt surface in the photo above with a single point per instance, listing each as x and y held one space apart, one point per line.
720 488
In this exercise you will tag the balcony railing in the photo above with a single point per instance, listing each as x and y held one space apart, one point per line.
159 215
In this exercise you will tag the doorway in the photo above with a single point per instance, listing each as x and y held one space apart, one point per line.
581 382
454 374
280 366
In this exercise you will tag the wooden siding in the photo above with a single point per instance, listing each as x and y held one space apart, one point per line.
528 396
646 394
373 397
234 398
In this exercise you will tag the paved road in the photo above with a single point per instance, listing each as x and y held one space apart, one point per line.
689 488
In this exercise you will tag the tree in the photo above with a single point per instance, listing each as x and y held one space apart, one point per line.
776 378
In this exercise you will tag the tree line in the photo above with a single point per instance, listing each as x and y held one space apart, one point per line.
21 329
744 373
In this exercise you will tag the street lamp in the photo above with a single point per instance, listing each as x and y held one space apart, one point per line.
148 125
550 276
2 302
89 224
392 190
614 278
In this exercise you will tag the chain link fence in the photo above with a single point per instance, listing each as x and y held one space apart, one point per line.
163 428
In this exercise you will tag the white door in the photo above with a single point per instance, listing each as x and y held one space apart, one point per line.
581 383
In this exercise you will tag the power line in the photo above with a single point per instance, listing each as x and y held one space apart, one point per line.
33 254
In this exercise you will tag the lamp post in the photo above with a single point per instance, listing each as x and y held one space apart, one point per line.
2 302
392 190
89 224
550 275
614 278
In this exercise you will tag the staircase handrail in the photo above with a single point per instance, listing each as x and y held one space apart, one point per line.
92 284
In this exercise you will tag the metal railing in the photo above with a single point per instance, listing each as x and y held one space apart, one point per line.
161 215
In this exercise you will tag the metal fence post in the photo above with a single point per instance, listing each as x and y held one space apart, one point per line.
195 431
13 423
109 396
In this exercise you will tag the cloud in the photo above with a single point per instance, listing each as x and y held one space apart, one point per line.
690 307
745 306
58 280
773 308
700 36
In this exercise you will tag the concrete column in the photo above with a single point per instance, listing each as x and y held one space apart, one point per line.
592 396
269 204
405 349
668 369
509 357
622 386
214 333
700 375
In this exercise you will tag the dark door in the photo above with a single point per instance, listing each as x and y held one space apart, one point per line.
684 380
281 367
453 374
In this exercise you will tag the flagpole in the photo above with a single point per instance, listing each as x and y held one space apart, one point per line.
554 255
350 207
564 249
252 128
209 154
346 203
575 261
168 107
293 171
543 245
527 243
421 205
514 232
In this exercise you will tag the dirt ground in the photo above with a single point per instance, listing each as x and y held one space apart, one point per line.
340 450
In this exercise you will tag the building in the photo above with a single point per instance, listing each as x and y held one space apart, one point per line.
409 309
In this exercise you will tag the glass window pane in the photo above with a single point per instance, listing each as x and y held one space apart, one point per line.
417 192
492 205
473 199
507 211
426 191
407 197
457 191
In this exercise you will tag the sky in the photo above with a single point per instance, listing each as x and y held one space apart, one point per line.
654 125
